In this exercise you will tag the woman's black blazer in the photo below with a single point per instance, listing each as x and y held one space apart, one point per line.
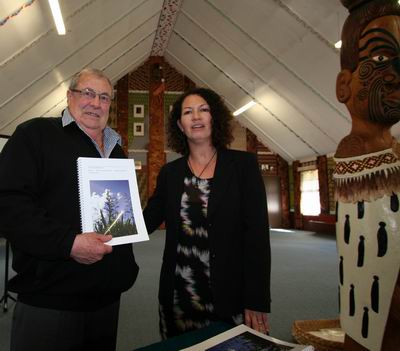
238 231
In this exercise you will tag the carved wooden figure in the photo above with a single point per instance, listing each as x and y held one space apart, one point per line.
367 177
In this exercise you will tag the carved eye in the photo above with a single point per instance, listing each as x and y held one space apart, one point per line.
380 58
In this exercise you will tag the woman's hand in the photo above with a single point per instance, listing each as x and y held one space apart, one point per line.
257 320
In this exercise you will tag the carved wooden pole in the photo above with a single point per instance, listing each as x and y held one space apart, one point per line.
322 165
298 218
156 155
123 106
367 176
283 173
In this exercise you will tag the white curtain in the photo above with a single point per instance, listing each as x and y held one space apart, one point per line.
309 187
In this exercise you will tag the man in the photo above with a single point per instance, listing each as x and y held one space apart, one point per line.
68 283
367 177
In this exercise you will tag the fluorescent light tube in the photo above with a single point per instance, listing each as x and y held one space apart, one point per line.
58 20
244 108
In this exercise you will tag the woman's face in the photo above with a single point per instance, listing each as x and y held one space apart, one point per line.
196 119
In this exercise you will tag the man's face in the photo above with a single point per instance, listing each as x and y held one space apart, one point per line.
90 114
375 83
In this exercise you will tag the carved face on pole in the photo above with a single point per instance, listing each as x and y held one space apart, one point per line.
372 91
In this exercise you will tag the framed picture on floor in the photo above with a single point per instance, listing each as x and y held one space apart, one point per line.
138 111
138 129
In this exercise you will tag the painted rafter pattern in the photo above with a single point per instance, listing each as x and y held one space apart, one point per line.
3 21
168 16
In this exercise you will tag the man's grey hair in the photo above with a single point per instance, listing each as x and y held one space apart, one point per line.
90 71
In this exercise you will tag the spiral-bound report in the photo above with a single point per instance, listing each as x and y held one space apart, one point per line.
109 199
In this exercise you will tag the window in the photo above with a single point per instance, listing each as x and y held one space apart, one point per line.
309 188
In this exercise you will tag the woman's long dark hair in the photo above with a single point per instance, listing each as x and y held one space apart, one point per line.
221 121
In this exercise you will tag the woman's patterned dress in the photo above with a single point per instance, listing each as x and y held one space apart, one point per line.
193 304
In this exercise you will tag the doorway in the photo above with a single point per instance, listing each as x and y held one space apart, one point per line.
273 190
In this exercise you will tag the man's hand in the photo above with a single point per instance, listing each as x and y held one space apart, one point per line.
89 248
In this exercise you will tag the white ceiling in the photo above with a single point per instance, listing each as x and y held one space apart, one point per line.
278 52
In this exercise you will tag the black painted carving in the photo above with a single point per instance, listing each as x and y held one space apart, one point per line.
375 294
341 270
360 209
382 239
394 203
361 251
347 229
352 303
365 323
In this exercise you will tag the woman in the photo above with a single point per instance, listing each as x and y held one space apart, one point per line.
216 263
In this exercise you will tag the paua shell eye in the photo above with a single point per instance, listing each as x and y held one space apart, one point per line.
380 58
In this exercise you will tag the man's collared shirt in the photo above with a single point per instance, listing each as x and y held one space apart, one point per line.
110 136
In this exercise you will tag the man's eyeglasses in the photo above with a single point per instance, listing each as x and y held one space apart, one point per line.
90 94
